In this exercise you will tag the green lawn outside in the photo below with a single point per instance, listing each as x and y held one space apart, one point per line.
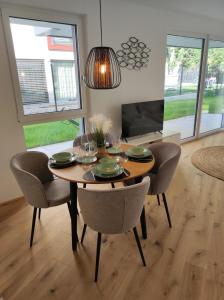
193 88
49 133
60 131
181 108
185 90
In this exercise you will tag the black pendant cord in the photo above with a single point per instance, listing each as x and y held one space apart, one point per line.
101 27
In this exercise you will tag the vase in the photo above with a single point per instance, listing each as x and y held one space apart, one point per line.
101 151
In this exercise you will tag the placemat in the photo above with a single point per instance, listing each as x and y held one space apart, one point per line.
89 176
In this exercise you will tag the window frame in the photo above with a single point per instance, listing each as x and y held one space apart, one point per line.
206 38
47 16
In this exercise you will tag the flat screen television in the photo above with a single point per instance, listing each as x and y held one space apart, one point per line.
142 117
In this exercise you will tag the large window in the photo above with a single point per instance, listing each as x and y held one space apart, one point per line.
213 99
44 52
183 65
46 85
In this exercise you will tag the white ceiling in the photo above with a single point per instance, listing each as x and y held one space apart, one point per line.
208 8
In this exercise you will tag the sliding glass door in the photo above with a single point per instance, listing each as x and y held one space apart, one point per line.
182 80
213 98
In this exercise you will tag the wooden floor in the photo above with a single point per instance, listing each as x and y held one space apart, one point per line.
185 262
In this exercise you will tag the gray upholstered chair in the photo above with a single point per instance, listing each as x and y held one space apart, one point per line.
37 183
166 158
113 211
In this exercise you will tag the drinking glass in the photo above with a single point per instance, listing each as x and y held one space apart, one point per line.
83 149
117 141
92 149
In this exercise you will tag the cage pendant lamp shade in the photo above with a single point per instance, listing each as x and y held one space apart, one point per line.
102 69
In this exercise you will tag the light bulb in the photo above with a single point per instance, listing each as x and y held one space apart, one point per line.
103 69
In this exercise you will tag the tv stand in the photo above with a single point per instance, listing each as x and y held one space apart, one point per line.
165 136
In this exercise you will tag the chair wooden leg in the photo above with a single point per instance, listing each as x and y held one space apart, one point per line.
112 185
139 245
167 210
97 255
158 199
39 213
33 226
83 233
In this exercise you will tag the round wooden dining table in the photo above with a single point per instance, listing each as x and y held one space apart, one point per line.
77 173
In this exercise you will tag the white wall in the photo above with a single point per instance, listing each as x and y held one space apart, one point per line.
11 134
120 21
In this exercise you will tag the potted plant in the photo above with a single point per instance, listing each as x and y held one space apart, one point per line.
100 126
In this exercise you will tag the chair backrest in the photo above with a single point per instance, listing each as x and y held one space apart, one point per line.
113 211
85 138
166 158
31 172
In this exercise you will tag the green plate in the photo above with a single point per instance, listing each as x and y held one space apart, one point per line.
72 159
138 152
86 159
62 157
118 173
114 150
107 169
108 160
138 156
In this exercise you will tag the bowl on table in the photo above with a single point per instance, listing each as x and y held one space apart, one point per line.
107 168
108 160
114 150
138 152
62 157
88 159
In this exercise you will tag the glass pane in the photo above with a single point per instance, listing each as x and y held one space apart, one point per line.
50 137
213 101
183 60
47 65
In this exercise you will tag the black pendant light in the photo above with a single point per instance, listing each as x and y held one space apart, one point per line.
102 69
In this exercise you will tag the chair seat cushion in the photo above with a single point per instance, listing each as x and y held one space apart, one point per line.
57 192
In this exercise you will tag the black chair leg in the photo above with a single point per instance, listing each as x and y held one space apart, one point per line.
167 210
139 245
158 199
69 208
112 185
83 233
39 213
33 226
143 224
97 255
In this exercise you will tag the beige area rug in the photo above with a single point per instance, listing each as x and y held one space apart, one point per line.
210 160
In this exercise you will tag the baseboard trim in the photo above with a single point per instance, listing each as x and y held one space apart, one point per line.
11 207
12 201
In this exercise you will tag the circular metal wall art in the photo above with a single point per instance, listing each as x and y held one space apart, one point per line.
133 55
